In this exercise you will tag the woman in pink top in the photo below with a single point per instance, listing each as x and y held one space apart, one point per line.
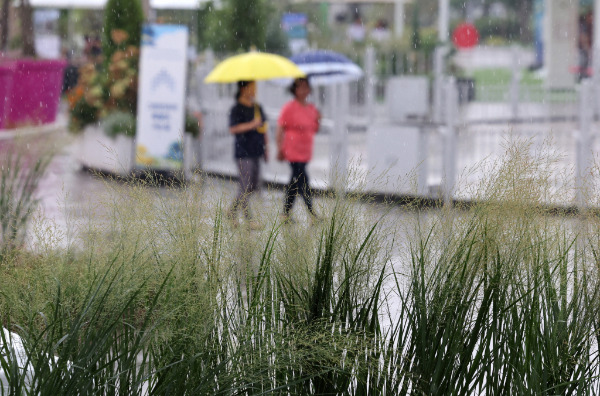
297 125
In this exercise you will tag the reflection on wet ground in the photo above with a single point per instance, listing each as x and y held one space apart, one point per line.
70 196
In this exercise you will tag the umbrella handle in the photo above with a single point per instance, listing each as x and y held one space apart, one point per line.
264 127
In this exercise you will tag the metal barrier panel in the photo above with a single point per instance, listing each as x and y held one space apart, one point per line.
496 104
545 148
545 124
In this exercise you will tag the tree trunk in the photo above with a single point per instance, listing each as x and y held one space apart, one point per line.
4 25
27 33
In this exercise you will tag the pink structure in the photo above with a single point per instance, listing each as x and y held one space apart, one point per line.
35 93
6 81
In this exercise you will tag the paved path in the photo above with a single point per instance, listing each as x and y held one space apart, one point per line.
67 190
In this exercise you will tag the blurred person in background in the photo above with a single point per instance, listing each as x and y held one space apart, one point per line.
248 124
298 123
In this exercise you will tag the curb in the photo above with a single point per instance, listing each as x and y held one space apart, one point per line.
9 134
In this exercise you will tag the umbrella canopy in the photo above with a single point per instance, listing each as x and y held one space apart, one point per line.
327 67
253 66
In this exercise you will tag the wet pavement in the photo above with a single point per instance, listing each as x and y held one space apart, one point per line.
67 189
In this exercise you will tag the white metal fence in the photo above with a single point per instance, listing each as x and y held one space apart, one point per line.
469 135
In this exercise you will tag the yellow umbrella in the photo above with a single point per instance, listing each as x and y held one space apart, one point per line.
253 66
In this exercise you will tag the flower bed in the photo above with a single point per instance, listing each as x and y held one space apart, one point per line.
103 110
113 153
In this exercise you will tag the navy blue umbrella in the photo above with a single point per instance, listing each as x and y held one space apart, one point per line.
327 67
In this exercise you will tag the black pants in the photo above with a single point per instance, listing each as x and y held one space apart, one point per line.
298 184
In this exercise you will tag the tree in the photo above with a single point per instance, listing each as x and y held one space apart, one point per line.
126 15
4 24
246 23
202 20
27 33
523 9
238 26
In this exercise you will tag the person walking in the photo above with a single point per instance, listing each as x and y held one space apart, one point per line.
297 125
248 124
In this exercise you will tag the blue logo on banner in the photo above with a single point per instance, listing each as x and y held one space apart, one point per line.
163 78
147 35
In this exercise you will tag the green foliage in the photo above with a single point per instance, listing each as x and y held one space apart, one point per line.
509 29
82 115
126 15
203 17
247 22
99 93
428 40
238 26
21 170
191 125
102 346
163 296
119 122
276 40
215 33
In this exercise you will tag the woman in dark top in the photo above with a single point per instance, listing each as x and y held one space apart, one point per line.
248 124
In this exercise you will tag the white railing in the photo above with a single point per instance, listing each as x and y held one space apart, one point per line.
464 138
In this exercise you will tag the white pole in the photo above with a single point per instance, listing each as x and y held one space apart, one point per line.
339 140
422 182
370 83
209 104
596 54
438 71
399 17
332 101
596 39
583 142
515 82
438 57
443 20
451 104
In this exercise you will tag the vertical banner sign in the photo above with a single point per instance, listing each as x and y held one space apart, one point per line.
294 25
161 97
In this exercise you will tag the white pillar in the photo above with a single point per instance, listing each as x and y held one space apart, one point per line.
370 83
596 39
438 72
583 160
596 55
560 42
451 114
338 140
443 20
399 17
515 82
438 57
208 101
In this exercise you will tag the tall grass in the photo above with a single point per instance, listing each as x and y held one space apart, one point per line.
165 297
22 166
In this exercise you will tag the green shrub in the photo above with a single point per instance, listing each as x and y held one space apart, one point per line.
119 122
508 29
126 15
191 125
22 167
162 294
82 115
